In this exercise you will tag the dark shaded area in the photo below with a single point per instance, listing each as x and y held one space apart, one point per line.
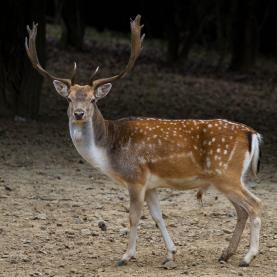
244 35
218 39
72 18
20 85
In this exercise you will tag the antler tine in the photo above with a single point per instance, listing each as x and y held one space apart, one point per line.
73 74
30 46
93 74
136 47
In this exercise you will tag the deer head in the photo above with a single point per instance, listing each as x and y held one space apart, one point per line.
82 98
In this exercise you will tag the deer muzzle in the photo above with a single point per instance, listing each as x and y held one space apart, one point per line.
79 114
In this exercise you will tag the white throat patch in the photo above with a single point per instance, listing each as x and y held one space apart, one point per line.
84 141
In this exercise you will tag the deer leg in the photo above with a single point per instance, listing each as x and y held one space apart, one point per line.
152 200
255 226
136 206
234 242
252 206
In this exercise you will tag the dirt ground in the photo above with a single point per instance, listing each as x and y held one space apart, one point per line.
51 201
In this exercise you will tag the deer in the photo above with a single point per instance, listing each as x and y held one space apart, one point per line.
146 154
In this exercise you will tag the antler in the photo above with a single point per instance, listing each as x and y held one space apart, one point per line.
30 46
136 47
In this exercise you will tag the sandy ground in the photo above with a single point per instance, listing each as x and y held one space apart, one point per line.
51 201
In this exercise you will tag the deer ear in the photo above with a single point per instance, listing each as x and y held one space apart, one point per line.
103 90
61 88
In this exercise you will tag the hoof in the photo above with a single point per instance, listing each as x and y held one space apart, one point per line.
121 263
166 260
243 264
169 264
223 258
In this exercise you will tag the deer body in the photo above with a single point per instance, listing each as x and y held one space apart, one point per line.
181 154
144 154
147 153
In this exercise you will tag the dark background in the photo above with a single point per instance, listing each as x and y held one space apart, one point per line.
229 36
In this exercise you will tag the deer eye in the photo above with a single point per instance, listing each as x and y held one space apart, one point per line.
92 100
68 99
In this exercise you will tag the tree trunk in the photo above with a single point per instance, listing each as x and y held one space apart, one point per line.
73 24
173 42
20 85
244 36
172 30
221 23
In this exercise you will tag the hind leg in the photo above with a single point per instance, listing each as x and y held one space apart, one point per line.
242 216
255 227
244 202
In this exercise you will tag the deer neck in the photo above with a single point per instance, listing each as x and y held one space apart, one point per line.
90 139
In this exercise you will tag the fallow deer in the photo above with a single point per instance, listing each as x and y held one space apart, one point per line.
145 154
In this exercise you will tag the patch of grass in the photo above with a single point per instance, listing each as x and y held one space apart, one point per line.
54 31
105 37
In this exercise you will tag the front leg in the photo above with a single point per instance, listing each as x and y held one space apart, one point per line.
137 194
152 199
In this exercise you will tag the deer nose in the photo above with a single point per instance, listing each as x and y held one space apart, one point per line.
79 114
